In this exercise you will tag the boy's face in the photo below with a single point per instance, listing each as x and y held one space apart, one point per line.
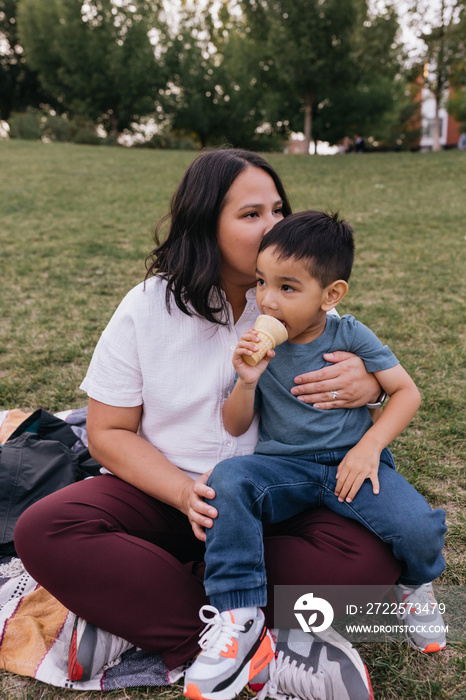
286 290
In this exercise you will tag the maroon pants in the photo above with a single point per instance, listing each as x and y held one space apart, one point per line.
132 566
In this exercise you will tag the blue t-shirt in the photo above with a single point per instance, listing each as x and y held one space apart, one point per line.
289 426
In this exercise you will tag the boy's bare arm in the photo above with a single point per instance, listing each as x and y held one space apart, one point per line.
404 402
238 409
362 461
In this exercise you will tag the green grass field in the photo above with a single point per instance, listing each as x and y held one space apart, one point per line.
75 227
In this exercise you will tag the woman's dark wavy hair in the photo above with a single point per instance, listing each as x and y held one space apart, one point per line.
189 258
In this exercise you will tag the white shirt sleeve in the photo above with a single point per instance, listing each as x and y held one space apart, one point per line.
114 376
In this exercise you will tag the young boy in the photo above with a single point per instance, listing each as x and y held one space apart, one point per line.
306 456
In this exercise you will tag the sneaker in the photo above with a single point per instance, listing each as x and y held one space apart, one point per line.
311 667
92 650
418 609
231 655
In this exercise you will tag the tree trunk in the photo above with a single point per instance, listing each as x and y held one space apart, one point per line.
113 118
440 81
436 145
308 122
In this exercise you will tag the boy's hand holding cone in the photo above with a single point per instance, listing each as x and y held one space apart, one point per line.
271 333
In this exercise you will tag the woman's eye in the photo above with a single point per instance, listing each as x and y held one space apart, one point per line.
279 210
251 215
287 288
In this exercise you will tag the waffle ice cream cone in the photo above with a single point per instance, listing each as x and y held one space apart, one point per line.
271 333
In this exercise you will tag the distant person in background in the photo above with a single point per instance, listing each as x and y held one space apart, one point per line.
345 145
359 145
462 142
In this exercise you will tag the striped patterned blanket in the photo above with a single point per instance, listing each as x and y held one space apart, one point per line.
35 633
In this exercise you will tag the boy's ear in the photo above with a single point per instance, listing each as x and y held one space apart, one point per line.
333 294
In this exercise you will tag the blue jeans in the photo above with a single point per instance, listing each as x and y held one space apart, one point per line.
255 489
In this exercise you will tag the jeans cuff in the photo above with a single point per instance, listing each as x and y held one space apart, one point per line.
240 599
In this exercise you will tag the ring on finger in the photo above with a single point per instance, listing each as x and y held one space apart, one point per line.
334 394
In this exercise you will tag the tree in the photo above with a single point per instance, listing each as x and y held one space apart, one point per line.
194 99
331 60
95 57
213 90
373 97
308 42
442 29
19 85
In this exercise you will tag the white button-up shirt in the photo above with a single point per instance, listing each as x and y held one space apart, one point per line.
179 368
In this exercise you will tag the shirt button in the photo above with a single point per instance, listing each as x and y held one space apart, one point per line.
230 444
232 347
225 395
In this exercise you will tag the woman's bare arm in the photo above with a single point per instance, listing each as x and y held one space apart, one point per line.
347 376
116 445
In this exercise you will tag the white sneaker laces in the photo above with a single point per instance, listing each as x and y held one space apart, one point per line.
217 635
416 598
293 681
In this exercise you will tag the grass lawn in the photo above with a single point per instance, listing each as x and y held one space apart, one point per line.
75 227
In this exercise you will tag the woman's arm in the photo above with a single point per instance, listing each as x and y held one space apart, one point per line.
347 376
116 445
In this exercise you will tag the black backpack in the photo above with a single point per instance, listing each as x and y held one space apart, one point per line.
36 460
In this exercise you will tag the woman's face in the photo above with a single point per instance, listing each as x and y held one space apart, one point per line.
252 207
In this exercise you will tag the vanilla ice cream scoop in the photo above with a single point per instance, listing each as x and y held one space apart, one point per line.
271 333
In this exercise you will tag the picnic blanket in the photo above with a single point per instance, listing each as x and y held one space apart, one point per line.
36 629
35 634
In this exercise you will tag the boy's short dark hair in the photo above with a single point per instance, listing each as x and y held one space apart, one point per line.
324 241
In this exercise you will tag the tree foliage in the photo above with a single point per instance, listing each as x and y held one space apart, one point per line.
334 60
213 90
195 99
246 72
300 36
94 57
19 85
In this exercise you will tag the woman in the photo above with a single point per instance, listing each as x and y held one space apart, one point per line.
156 385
